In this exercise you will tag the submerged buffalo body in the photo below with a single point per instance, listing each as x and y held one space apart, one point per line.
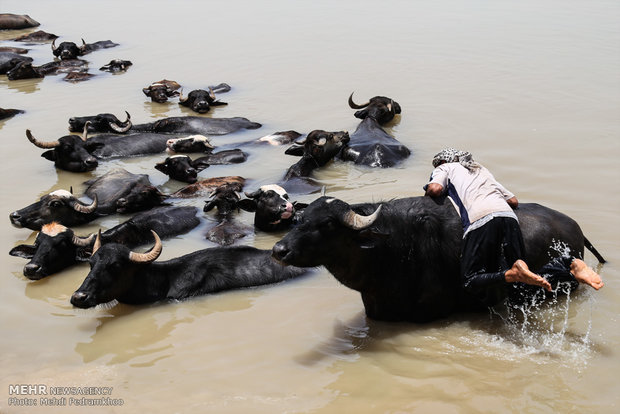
58 247
197 125
404 257
9 60
117 273
70 50
10 21
120 191
370 145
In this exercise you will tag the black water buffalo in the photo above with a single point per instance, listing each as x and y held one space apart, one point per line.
225 199
60 206
100 123
12 49
116 65
183 168
161 90
119 191
275 139
69 50
273 211
197 125
8 113
81 153
38 36
200 100
403 256
370 145
117 273
9 21
24 70
192 143
8 60
316 150
58 247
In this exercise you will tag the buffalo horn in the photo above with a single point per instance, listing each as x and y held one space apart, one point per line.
97 244
358 222
211 93
85 131
41 144
353 105
253 194
82 241
126 125
181 97
54 45
83 47
81 208
149 256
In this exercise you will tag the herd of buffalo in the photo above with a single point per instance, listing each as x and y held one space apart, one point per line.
401 255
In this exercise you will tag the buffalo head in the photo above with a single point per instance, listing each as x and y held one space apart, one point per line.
68 50
326 227
200 100
321 146
181 168
100 123
272 207
140 198
379 108
112 269
192 143
116 65
24 70
60 206
162 90
225 198
55 248
71 152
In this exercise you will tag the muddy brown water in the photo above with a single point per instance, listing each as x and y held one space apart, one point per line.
533 90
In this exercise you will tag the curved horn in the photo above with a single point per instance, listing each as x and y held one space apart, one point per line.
211 93
41 144
85 131
97 244
353 105
54 45
83 47
358 222
149 256
82 241
181 97
81 208
253 194
126 125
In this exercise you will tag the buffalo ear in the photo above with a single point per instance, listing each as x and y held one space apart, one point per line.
82 254
247 204
49 155
299 206
218 103
295 149
93 146
209 205
396 107
362 114
25 251
200 164
147 91
162 166
368 238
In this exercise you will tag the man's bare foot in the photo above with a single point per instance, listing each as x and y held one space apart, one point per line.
585 274
519 272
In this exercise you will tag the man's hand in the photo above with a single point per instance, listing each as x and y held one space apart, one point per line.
434 190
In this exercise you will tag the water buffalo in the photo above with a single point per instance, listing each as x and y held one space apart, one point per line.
403 256
58 247
183 168
69 50
116 65
117 273
200 100
8 60
38 36
12 49
81 153
225 199
60 206
161 90
272 208
8 113
197 125
100 123
316 150
119 191
370 145
74 77
9 21
24 70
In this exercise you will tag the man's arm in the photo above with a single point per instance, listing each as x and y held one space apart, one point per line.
434 190
513 202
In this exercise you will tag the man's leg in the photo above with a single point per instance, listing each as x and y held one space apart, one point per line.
519 272
585 274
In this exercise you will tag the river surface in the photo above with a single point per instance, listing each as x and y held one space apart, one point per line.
531 88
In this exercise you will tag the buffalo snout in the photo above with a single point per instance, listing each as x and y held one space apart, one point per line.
33 271
81 300
279 252
16 219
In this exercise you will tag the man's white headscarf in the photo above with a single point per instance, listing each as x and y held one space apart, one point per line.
452 155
